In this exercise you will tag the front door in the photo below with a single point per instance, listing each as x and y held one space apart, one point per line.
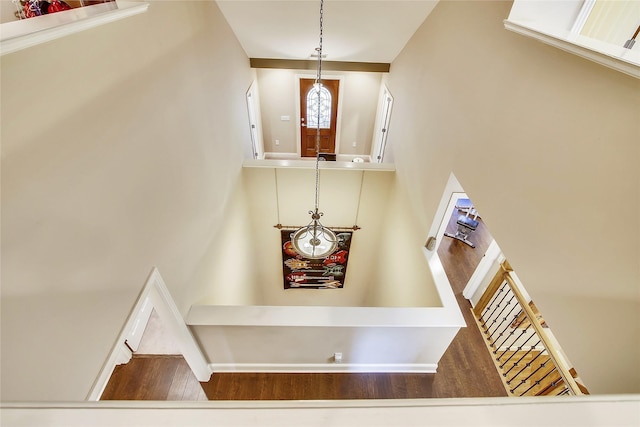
327 105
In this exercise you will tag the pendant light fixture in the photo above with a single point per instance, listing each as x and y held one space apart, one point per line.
315 241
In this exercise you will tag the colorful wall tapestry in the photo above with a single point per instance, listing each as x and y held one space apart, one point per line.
303 273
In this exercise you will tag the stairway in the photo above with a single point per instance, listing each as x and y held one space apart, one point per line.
522 369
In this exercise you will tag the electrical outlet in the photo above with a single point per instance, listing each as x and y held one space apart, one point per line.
277 142
354 143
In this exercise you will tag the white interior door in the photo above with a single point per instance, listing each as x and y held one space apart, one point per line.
382 125
255 124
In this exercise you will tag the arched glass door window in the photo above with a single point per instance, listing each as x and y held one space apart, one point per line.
322 103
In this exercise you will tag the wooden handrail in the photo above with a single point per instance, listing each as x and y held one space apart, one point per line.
553 353
492 288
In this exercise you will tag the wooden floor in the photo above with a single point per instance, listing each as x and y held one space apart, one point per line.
153 377
465 370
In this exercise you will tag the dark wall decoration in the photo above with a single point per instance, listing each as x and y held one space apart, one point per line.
303 273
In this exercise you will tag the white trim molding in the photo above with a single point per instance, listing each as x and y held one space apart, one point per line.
452 192
139 325
585 11
615 57
424 368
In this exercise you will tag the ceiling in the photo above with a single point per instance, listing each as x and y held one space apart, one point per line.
354 30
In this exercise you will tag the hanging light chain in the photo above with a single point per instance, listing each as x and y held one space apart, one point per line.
318 88
314 240
320 42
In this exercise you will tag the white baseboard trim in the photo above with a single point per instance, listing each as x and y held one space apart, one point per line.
423 368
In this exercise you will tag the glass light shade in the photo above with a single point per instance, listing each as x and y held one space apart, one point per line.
314 241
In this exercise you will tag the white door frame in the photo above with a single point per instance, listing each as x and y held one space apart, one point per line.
451 193
485 270
444 222
255 121
381 128
139 325
156 292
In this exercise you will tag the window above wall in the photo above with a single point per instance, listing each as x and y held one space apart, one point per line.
594 29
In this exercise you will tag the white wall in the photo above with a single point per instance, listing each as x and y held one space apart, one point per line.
379 274
54 344
546 145
112 141
278 97
226 273
402 272
359 107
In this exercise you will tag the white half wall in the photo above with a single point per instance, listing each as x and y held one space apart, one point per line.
587 411
305 339
281 192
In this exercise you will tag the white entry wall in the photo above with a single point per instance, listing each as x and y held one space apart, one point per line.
279 104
